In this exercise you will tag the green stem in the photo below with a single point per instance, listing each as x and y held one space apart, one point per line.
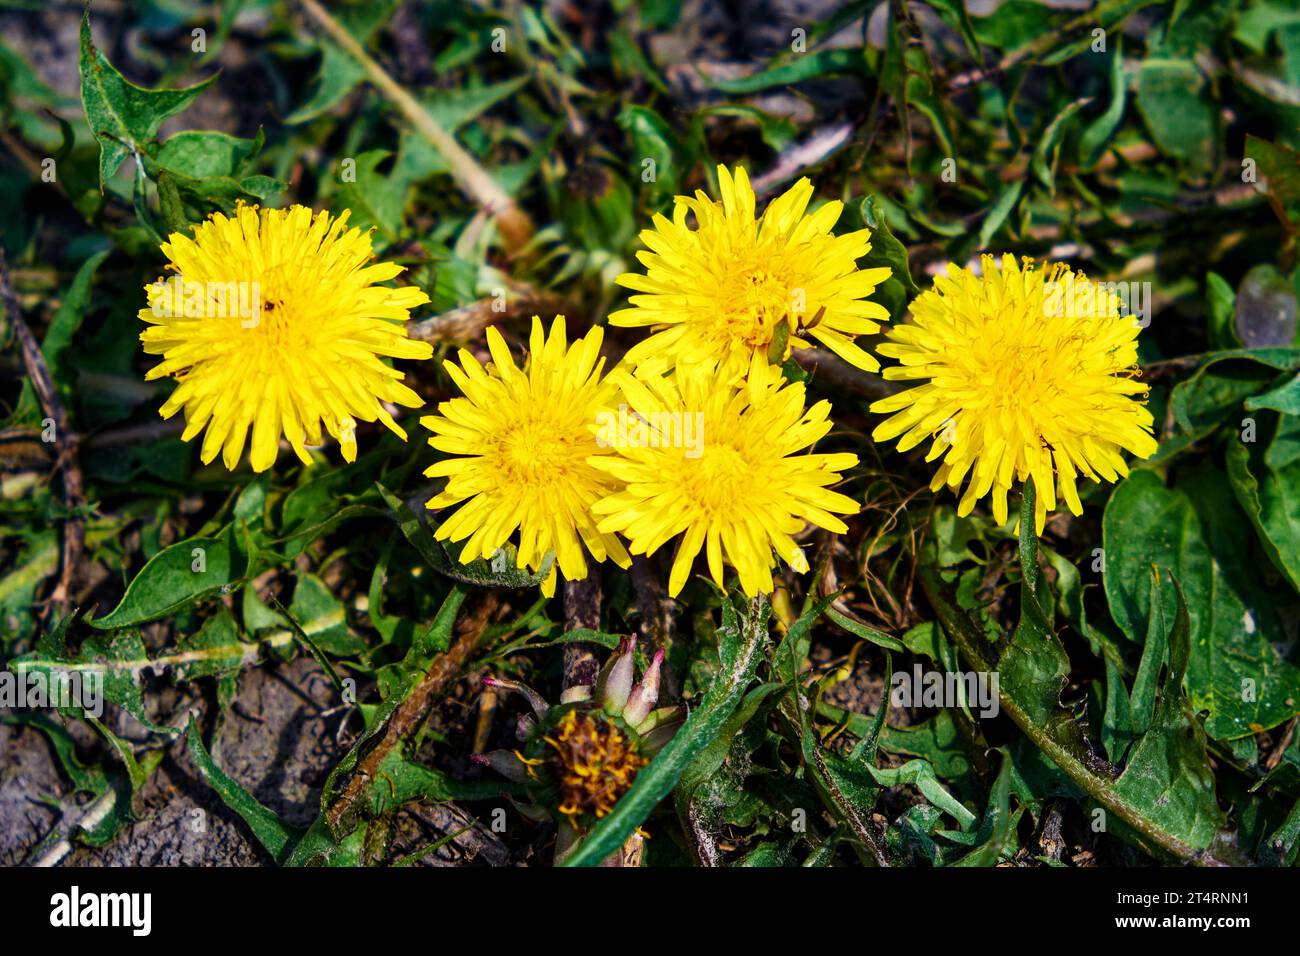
169 202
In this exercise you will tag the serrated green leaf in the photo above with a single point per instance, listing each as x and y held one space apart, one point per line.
920 774
652 139
1168 774
199 153
398 680
1217 389
107 788
863 630
1182 119
123 117
995 830
802 67
1278 170
323 618
1268 489
1059 737
37 559
999 211
500 571
1048 148
1196 533
401 780
338 73
113 662
60 335
274 835
374 198
1097 135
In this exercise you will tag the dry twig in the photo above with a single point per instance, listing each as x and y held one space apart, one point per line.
476 182
74 498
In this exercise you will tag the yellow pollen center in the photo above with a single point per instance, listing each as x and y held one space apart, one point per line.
711 480
748 303
536 450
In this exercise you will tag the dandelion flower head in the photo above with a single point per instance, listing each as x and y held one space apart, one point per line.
718 291
524 441
723 465
275 324
1021 372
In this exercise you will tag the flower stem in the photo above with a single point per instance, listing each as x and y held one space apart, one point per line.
476 182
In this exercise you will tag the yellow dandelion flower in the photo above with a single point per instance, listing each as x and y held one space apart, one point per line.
1027 372
526 439
272 321
718 292
723 464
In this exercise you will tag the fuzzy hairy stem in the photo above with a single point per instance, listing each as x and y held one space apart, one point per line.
581 611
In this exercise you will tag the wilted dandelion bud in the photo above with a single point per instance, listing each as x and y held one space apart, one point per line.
645 694
525 726
583 762
615 683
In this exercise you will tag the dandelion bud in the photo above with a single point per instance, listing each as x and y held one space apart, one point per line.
645 694
615 683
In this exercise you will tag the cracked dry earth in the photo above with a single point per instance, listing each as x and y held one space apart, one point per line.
280 742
